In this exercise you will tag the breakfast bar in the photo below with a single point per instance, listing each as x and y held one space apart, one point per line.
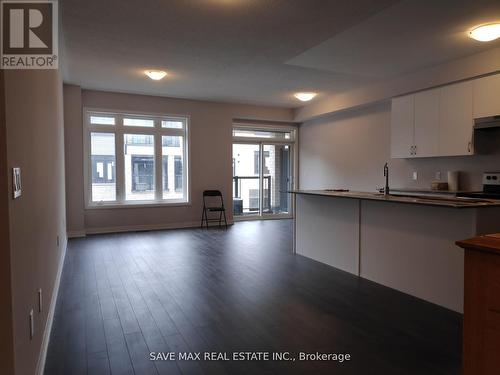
400 241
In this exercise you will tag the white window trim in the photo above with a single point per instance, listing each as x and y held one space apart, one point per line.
119 130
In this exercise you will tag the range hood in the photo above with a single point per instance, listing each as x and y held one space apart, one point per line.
490 122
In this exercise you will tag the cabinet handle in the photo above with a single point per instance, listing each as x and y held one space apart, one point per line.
469 147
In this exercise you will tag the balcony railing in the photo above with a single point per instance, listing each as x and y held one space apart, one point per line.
237 190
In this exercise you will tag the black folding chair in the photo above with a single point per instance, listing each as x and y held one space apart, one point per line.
218 207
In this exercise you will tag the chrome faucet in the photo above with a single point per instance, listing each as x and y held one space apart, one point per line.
386 175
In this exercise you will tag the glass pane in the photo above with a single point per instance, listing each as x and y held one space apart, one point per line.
261 134
139 152
173 167
103 164
138 122
246 186
276 179
102 120
172 124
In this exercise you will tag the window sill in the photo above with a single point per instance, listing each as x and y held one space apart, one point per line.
105 206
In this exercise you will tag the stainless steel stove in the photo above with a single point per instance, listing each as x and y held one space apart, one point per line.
491 187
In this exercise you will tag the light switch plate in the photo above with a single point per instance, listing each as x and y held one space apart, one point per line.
16 182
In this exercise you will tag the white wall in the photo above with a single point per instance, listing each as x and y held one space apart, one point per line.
348 150
35 143
210 156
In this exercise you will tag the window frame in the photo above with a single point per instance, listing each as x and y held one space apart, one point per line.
119 130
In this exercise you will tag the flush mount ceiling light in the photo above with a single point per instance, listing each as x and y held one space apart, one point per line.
305 96
155 74
486 33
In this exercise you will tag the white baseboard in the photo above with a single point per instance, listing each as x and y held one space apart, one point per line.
76 233
50 317
270 217
138 228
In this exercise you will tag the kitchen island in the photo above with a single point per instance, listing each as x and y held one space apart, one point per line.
403 242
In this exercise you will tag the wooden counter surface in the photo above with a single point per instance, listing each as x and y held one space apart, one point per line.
481 340
488 243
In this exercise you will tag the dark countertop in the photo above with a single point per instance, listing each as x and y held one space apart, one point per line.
452 202
431 192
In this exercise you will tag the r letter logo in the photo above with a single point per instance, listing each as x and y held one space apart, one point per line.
29 35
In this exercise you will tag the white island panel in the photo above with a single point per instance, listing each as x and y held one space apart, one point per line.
327 230
412 249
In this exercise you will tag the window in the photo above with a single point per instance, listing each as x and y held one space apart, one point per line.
170 141
262 134
139 154
256 162
178 173
136 159
138 122
172 155
98 119
173 124
102 153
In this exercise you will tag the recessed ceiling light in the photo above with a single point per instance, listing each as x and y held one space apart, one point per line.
305 96
486 33
155 74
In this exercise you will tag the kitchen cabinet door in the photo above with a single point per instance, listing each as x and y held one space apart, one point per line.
486 96
455 120
427 123
402 127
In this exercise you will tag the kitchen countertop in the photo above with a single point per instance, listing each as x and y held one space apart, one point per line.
431 192
452 202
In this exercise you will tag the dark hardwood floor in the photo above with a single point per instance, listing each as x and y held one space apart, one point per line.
123 296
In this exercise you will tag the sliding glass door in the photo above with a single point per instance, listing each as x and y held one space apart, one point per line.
246 179
262 175
277 178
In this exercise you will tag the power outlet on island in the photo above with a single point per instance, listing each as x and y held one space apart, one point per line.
438 176
415 176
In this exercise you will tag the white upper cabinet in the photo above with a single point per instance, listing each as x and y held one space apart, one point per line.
437 122
486 96
402 127
455 120
426 142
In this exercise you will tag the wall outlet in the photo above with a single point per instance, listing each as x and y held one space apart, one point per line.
40 301
32 325
415 176
438 175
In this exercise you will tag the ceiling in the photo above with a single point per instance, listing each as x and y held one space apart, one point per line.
261 51
409 36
